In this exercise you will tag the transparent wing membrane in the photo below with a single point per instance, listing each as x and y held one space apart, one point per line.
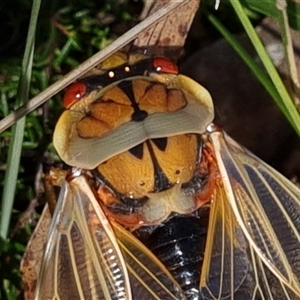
267 208
226 263
149 278
82 259
267 286
32 259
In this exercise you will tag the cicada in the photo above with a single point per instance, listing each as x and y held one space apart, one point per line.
160 202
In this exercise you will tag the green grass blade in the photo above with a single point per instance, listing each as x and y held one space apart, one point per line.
286 104
270 8
15 146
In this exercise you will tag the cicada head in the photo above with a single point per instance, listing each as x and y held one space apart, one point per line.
133 99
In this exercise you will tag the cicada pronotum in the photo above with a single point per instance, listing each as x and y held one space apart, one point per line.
161 203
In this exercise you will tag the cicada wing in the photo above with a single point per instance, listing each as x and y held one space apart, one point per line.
267 286
266 205
226 264
231 268
31 261
148 276
82 259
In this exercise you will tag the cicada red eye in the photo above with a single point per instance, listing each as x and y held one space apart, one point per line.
74 93
165 65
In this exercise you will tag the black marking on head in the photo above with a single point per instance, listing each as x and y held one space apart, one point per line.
138 115
121 72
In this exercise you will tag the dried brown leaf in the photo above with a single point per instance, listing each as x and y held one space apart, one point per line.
168 36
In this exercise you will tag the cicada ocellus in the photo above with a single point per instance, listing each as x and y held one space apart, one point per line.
163 204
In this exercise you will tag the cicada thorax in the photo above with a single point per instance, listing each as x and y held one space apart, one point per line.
144 185
141 137
152 179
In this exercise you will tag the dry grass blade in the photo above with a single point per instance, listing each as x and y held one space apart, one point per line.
89 64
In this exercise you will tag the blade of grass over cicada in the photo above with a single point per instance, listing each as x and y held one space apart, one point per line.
267 207
89 64
15 146
286 104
